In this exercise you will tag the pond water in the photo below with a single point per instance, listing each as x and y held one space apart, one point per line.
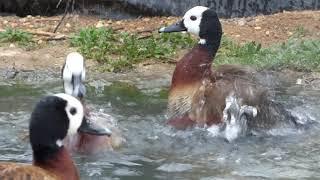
155 151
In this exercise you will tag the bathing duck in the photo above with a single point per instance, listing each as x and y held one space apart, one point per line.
73 75
198 94
52 119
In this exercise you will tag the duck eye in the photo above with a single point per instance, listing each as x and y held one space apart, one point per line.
73 111
193 18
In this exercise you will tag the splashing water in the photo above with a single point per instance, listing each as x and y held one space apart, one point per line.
155 151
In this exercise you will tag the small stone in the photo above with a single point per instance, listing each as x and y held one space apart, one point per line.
68 25
290 33
12 45
22 20
29 16
242 22
238 35
40 41
99 24
146 19
267 33
257 28
118 22
5 22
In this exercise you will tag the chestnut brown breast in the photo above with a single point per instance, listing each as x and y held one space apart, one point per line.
60 167
192 67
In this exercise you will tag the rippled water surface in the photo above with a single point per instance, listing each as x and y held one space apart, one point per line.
155 151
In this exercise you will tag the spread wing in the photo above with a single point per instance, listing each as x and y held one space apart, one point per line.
16 171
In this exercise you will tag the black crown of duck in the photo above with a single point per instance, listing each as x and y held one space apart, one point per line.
53 118
198 94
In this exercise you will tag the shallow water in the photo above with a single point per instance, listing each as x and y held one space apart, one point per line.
155 151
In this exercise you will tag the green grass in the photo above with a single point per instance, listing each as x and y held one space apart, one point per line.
16 36
300 31
296 54
118 51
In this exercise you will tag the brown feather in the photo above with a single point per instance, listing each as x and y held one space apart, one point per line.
17 171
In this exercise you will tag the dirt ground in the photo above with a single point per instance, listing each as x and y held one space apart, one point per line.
51 53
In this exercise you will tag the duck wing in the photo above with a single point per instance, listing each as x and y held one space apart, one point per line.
180 100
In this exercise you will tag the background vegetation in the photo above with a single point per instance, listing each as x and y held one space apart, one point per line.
118 51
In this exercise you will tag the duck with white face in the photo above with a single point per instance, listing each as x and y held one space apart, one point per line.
73 75
198 94
53 119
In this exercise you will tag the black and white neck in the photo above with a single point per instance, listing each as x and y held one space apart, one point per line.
210 31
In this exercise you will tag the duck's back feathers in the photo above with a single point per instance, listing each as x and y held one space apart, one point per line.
14 171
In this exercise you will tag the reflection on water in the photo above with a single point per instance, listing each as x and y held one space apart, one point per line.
155 151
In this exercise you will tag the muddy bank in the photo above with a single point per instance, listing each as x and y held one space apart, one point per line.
30 68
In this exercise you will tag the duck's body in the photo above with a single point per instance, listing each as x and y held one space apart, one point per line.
201 99
52 120
198 94
73 74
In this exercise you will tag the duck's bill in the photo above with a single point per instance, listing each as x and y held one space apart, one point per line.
177 27
91 128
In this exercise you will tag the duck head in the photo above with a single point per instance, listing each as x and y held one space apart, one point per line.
73 75
202 22
53 118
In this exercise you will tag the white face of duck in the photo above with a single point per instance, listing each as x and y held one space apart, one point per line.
191 22
75 113
73 74
192 19
77 121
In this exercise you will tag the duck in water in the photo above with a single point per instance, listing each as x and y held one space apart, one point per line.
73 75
52 120
218 98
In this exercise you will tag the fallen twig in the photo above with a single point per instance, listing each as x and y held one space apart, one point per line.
41 33
57 38
50 35
53 19
146 31
145 36
117 29
64 15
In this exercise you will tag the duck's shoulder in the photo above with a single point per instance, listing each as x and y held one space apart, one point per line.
10 170
234 71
